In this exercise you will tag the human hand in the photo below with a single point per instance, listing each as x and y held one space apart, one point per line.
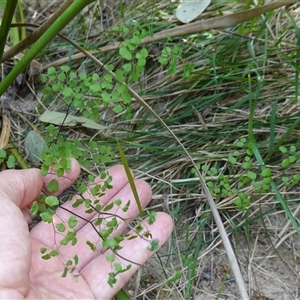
25 275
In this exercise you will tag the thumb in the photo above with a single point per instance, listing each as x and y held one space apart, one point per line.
21 186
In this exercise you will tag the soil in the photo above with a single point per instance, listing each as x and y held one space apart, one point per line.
270 264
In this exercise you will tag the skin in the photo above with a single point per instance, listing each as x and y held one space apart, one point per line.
25 275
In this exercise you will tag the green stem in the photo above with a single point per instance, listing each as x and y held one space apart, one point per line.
19 158
50 34
21 19
5 23
34 36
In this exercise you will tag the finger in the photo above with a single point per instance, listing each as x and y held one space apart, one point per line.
97 271
64 183
122 218
21 186
44 232
119 180
18 188
89 233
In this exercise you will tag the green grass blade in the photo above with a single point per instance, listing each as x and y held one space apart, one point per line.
296 65
252 144
122 295
272 124
130 179
5 23
283 138
21 19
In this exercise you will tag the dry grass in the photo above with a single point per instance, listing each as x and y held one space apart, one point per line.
209 112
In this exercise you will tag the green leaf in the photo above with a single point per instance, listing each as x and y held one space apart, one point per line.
65 68
292 159
154 245
56 87
118 267
283 149
285 179
59 118
163 61
95 77
65 241
2 153
247 165
127 67
46 257
135 40
110 257
11 162
65 272
251 175
108 206
74 241
285 163
44 170
267 180
60 227
77 203
126 207
76 259
60 172
266 172
53 253
106 97
296 177
52 201
72 222
125 53
108 78
43 250
34 208
105 232
69 262
232 160
43 78
61 77
151 217
91 245
51 71
53 186
120 75
118 108
95 88
118 202
34 144
46 217
236 153
67 91
47 90
126 98
112 223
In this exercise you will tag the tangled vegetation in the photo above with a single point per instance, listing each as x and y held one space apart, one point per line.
228 91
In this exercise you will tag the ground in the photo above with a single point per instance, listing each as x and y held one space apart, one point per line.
267 248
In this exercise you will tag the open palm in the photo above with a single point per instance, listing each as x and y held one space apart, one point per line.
25 275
